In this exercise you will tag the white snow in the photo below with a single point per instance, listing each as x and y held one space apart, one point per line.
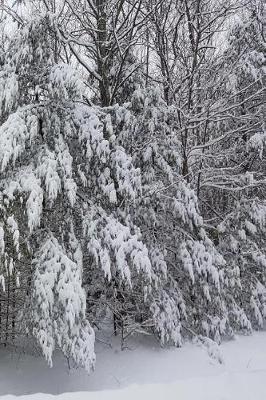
144 371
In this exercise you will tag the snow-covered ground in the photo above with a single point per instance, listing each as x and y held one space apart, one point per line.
144 371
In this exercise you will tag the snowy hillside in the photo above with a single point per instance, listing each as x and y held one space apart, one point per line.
144 372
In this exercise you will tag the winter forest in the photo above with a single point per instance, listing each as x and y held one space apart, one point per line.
132 172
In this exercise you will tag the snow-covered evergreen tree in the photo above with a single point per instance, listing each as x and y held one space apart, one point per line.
62 177
242 231
188 281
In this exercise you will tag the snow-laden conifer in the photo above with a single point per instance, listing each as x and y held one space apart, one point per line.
62 178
